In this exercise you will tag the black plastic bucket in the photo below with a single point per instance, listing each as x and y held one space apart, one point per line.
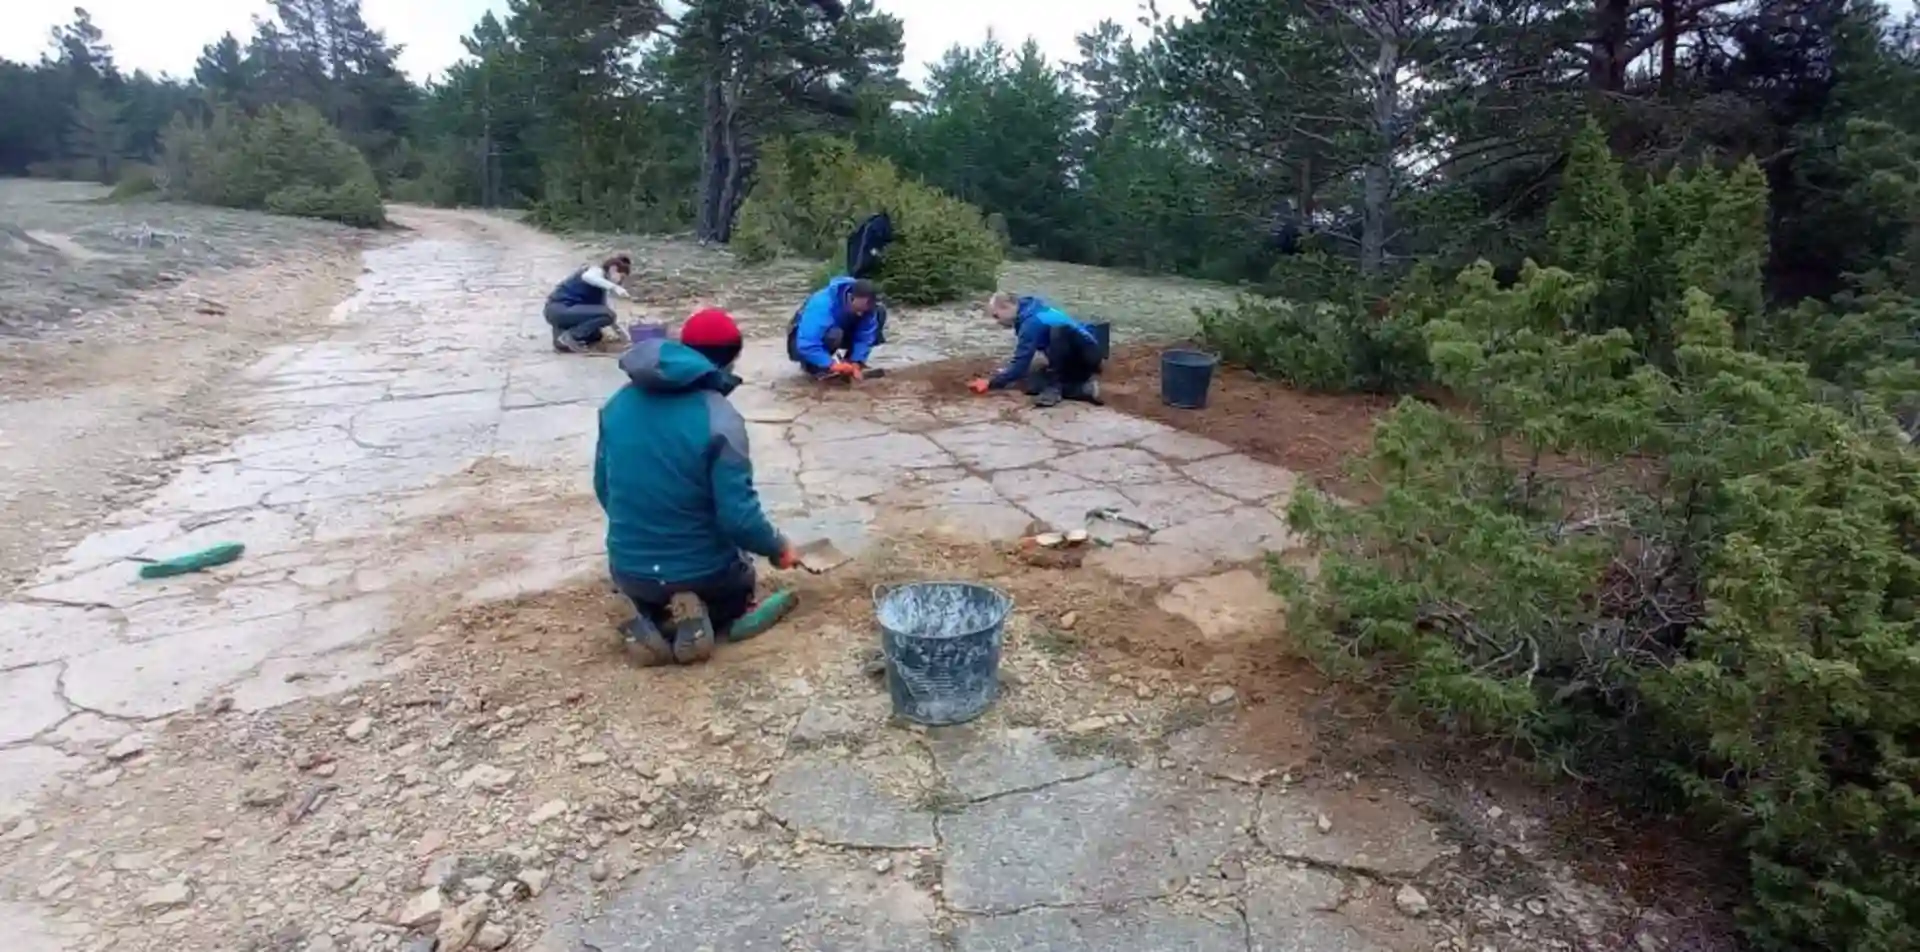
1185 378
942 643
1103 337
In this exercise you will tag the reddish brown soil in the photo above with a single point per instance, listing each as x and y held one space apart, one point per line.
1311 434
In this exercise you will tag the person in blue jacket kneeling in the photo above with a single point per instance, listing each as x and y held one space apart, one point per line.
835 331
1071 351
673 473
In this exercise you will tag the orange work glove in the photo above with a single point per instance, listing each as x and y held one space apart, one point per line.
787 558
856 371
841 368
978 386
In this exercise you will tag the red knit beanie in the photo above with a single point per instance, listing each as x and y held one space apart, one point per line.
713 333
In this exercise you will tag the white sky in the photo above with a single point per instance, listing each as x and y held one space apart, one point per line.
157 37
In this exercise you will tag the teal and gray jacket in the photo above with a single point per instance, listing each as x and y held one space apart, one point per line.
672 470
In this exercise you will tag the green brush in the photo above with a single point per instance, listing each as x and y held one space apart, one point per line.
206 558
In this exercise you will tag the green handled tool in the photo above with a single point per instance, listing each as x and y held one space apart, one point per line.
206 558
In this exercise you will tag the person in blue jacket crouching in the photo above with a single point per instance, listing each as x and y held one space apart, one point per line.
835 331
1071 351
673 472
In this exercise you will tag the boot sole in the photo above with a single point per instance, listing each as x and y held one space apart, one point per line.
645 646
692 628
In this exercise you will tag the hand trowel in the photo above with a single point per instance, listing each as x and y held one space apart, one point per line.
821 556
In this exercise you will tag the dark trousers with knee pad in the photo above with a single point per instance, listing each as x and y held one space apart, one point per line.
728 594
1072 360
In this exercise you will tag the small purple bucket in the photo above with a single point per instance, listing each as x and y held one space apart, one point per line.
646 330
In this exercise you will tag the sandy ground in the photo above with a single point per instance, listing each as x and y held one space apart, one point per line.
403 714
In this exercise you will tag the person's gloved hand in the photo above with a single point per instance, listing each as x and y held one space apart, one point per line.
617 289
856 371
841 368
978 386
787 558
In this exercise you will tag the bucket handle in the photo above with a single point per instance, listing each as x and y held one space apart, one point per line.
882 590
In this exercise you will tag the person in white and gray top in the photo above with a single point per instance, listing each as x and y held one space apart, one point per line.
577 309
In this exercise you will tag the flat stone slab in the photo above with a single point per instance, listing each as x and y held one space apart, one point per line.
837 802
158 677
1372 831
1293 910
1243 478
1118 466
996 445
1228 606
1091 426
1177 445
1235 535
27 772
978 764
1149 563
1114 837
704 899
29 702
1149 928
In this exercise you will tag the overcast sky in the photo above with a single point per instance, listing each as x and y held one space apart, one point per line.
161 37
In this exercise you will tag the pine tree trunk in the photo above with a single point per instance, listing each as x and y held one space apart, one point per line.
1376 184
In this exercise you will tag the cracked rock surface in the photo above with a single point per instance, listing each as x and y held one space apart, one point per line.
399 715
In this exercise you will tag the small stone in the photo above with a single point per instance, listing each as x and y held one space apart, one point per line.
327 769
751 819
173 894
883 865
1537 906
340 880
265 794
648 821
1068 620
422 911
552 809
1221 695
492 938
592 758
105 778
1324 823
430 843
439 871
458 929
1093 725
1411 901
667 777
359 729
322 943
598 872
485 777
1495 813
534 879
720 735
127 748
213 836
25 829
54 886
478 884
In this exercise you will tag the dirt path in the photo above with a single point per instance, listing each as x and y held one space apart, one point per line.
401 714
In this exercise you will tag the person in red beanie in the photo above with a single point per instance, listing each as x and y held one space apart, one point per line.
673 473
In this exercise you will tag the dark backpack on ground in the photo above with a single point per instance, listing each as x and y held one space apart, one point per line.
866 245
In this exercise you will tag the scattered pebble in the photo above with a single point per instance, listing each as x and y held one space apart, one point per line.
883 865
1411 901
127 748
1068 620
359 729
1324 823
552 809
485 777
172 894
459 928
1221 695
592 758
105 778
534 879
492 937
422 911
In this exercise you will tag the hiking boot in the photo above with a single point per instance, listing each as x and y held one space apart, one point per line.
1088 392
1049 397
645 646
762 615
692 628
1037 382
568 344
873 373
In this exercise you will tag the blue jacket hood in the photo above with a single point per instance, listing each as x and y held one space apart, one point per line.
1029 305
666 366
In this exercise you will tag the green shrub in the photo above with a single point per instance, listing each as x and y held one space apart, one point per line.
1733 628
1332 332
286 159
810 193
136 181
